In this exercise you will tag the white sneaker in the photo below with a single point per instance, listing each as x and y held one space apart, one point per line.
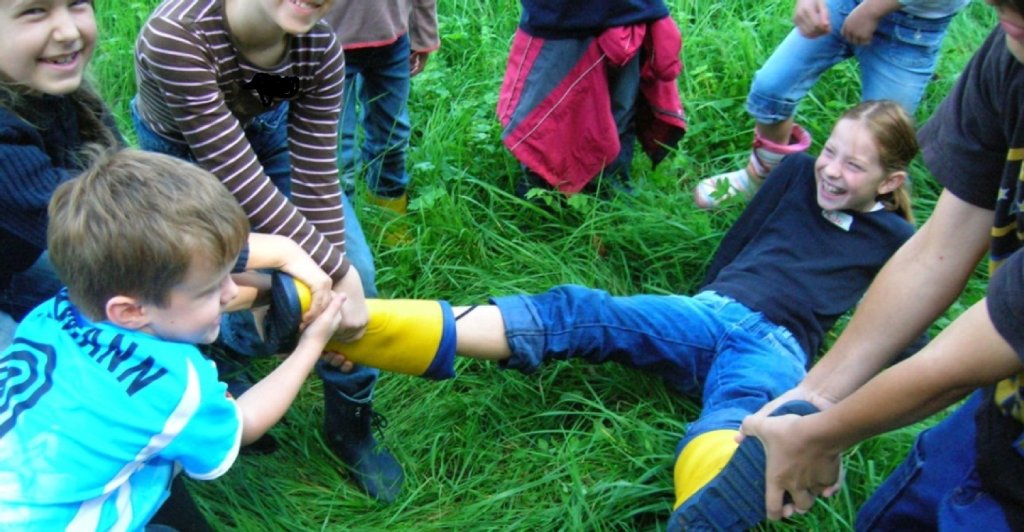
714 190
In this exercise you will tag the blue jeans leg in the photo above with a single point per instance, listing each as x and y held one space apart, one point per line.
7 328
676 337
757 361
29 288
357 385
901 59
936 486
794 67
897 65
377 81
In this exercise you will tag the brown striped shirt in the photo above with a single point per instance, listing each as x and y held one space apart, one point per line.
190 78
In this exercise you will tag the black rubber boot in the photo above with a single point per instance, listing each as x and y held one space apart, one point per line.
348 430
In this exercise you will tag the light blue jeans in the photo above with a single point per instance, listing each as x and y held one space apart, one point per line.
268 136
26 291
936 487
706 346
897 65
376 97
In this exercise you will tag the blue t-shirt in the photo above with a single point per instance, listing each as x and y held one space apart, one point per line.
96 419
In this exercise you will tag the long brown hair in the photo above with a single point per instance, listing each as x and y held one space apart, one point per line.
88 105
894 134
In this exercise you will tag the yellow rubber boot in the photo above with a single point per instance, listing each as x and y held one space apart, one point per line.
399 205
397 231
701 460
409 336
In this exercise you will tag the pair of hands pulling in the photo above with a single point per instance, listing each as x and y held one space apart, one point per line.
796 463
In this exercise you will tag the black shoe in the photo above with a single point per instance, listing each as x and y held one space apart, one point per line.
348 430
283 318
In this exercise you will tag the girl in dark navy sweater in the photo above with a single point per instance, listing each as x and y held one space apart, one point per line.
800 256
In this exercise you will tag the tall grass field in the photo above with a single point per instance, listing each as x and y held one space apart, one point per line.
573 446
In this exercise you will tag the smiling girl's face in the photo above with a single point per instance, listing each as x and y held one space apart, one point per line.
849 172
48 43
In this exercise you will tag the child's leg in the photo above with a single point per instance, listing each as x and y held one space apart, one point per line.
348 124
779 85
901 59
937 487
674 336
758 362
384 94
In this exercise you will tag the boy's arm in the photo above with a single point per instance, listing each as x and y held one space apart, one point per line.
423 38
803 453
266 402
860 25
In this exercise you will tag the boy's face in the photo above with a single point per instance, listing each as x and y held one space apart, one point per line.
296 17
1012 23
191 313
849 171
48 43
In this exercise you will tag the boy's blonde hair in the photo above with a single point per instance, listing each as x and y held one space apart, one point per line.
894 134
134 223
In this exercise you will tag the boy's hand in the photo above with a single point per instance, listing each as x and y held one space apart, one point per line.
860 26
322 328
811 18
304 270
795 464
417 62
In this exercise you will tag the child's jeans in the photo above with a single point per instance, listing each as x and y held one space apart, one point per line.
707 345
377 82
897 65
936 487
268 136
26 291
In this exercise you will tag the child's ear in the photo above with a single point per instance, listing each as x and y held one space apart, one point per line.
892 182
127 312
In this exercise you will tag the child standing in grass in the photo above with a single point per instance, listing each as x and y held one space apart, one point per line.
896 43
800 256
385 44
145 244
251 92
965 472
584 80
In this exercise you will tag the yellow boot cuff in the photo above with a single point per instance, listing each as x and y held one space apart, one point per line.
701 460
402 336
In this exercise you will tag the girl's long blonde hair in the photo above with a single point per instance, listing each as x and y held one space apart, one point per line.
894 134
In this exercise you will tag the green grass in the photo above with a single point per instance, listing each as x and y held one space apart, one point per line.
574 446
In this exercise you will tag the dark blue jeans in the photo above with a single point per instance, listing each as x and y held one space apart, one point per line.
707 346
376 97
936 487
268 136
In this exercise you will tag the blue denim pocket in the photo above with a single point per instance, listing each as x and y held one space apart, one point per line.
913 42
